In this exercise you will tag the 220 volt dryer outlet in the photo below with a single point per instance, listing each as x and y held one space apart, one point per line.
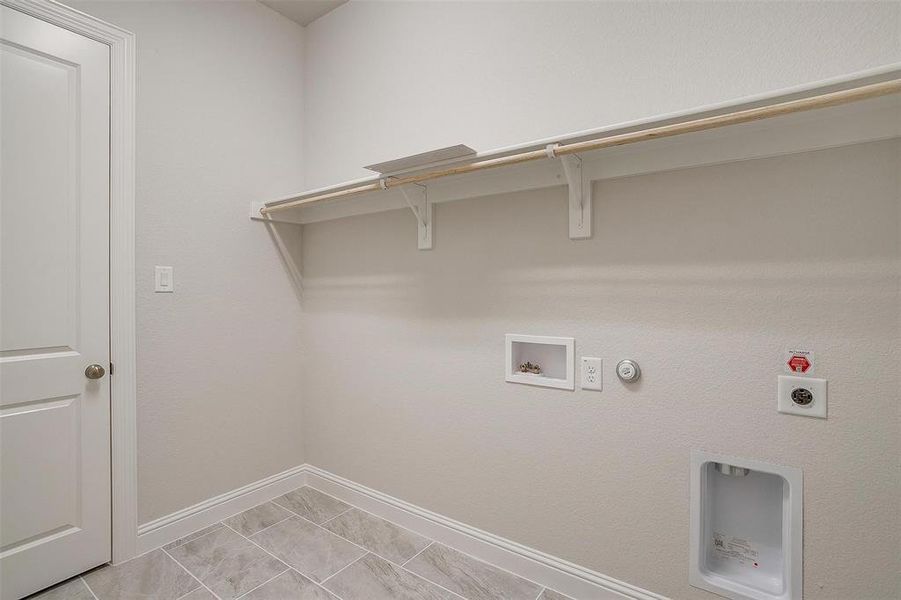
804 396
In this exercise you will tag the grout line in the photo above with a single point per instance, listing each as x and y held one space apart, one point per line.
214 530
350 508
186 594
354 561
202 584
492 565
367 551
261 530
538 597
241 512
400 567
303 518
437 585
291 510
341 537
314 524
403 567
426 579
89 587
418 553
255 544
294 512
279 505
317 584
287 568
375 516
290 568
142 554
220 525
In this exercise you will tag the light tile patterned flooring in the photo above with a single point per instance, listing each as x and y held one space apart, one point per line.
304 545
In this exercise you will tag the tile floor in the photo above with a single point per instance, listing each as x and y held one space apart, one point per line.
304 545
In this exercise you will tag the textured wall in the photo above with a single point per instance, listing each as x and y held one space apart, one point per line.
218 125
704 276
389 79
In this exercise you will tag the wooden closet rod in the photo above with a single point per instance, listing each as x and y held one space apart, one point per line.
733 118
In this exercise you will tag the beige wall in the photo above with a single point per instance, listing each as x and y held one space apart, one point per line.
704 276
391 78
218 125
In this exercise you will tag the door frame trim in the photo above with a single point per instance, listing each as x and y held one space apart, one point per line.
123 385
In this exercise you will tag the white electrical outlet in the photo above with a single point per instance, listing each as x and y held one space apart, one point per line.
804 396
592 369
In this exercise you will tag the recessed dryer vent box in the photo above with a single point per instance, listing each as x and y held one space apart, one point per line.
554 356
745 528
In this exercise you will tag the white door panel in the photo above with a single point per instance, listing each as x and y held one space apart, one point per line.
54 304
22 518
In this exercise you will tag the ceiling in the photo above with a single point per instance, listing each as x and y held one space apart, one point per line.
303 11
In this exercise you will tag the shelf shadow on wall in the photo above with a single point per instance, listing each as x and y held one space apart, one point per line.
287 239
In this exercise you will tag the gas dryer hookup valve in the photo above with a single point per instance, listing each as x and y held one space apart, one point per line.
628 371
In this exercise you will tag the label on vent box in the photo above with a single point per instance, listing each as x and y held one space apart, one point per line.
731 548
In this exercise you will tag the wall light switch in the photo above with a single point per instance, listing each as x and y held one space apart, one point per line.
163 280
592 369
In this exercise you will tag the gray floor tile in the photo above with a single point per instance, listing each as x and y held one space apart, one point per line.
312 550
73 589
193 536
227 563
312 504
373 578
552 595
289 584
152 575
378 535
259 517
200 593
469 577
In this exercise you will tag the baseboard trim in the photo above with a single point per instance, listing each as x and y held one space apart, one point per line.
160 532
544 569
550 571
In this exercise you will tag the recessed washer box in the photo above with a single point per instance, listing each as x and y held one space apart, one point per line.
746 528
555 355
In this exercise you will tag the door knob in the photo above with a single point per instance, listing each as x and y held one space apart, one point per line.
94 371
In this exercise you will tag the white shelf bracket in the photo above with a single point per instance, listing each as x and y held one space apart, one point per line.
579 194
417 197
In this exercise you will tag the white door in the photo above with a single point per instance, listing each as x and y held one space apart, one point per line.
54 304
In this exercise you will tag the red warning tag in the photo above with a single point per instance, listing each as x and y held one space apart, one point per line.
799 362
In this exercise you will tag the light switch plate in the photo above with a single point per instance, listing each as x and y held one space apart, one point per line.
163 280
592 373
795 391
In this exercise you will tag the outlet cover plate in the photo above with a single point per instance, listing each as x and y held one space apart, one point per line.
592 373
790 383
